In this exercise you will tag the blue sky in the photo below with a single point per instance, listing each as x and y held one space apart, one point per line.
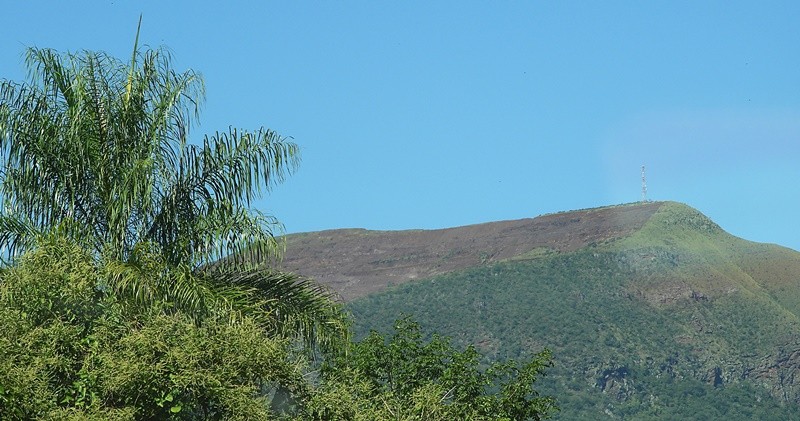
423 114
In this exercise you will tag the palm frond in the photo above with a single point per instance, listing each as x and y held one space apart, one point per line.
16 235
98 151
299 307
204 214
146 281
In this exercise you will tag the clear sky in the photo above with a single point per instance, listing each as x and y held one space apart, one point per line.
433 114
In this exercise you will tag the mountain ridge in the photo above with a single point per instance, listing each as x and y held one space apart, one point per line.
375 260
649 308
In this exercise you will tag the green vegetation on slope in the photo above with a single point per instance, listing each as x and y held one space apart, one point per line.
654 325
683 243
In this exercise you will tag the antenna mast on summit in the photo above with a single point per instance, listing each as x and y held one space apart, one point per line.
644 186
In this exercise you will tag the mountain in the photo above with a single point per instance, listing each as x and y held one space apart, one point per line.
652 310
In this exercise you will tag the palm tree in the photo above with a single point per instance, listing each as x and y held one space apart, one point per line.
99 151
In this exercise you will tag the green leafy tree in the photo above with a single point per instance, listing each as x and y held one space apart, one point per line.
99 150
71 350
406 378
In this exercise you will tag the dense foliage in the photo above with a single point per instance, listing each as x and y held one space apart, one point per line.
71 349
404 377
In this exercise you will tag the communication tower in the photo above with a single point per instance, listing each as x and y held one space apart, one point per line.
644 186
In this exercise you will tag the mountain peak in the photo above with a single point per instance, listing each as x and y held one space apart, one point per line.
674 215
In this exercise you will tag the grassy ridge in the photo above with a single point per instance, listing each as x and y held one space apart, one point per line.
678 317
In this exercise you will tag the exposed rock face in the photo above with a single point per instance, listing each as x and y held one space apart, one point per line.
780 372
614 382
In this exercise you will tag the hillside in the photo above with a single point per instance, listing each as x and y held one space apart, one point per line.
358 262
652 310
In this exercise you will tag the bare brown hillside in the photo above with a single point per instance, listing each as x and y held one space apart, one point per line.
358 262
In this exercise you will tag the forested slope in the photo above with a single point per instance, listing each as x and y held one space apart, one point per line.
676 319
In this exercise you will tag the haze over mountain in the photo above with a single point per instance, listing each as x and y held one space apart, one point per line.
651 309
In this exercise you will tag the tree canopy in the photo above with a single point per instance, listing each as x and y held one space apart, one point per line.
405 377
99 150
71 350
